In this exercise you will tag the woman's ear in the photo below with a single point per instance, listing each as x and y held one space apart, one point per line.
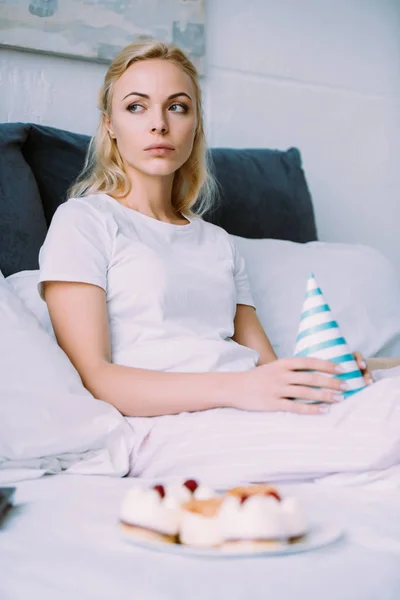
107 123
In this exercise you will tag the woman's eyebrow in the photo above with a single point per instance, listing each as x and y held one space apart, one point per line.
171 97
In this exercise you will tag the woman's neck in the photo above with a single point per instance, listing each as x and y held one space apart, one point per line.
151 196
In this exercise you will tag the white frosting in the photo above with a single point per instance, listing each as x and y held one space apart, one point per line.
295 519
204 493
178 491
146 508
201 531
259 517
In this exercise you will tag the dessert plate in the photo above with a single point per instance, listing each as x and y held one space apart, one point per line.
320 535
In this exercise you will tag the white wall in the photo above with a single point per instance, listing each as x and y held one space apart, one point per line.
323 75
45 89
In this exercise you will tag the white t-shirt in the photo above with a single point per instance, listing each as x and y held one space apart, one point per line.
171 289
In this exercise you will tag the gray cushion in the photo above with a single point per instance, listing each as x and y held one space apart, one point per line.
264 194
56 158
22 221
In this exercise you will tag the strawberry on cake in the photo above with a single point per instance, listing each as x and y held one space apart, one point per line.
189 490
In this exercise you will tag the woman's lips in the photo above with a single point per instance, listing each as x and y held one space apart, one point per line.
161 151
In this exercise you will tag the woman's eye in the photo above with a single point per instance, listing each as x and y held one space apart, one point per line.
135 108
179 108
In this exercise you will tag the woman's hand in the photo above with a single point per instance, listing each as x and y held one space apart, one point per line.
362 365
270 387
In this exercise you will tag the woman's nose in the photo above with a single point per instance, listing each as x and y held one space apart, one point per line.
159 129
159 124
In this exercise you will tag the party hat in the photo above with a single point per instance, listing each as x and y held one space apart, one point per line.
319 336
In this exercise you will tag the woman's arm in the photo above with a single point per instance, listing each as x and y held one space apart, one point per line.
78 312
249 332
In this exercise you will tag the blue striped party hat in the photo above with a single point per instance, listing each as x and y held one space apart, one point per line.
319 336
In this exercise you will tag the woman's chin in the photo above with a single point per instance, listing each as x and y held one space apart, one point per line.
158 167
162 169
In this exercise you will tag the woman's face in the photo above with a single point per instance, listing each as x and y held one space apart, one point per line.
153 117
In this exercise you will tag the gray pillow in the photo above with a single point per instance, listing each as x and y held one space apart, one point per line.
264 194
22 221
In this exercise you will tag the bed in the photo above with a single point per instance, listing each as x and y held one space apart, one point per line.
68 454
61 541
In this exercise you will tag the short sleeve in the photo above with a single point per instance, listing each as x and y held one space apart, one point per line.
242 284
77 246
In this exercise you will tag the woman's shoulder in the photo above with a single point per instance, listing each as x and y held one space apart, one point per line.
85 213
93 207
90 204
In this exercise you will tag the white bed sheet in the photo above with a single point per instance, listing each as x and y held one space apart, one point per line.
61 542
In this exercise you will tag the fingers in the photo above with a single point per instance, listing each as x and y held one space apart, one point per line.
301 409
310 393
316 380
307 363
362 365
368 378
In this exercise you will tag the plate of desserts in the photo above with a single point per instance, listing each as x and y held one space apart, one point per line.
189 518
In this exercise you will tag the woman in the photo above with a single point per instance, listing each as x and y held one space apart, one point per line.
151 303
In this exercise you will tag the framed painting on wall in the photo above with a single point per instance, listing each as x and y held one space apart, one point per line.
98 29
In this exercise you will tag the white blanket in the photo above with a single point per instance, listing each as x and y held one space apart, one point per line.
357 441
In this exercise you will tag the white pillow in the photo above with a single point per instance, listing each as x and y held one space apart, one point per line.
24 284
360 285
48 421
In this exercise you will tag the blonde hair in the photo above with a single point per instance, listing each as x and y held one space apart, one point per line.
103 170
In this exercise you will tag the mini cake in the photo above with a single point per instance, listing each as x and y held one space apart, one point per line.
200 523
294 518
150 514
251 523
246 518
255 517
154 513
